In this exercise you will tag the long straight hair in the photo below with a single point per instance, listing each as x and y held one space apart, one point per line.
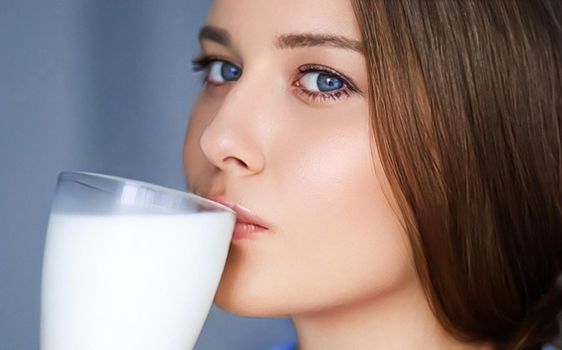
466 100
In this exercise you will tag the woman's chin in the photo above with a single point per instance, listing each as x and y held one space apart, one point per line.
246 304
240 307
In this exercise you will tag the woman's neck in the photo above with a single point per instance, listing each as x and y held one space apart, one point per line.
399 320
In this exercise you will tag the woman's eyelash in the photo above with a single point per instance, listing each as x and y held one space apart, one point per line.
314 96
202 63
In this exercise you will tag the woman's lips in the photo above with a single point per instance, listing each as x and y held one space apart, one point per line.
247 224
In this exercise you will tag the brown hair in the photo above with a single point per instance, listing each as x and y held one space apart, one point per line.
465 100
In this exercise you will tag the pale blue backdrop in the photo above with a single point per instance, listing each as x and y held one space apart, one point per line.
98 85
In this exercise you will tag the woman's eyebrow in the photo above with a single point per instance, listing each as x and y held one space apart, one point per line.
287 41
290 41
215 34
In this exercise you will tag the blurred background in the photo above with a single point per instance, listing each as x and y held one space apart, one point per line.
103 86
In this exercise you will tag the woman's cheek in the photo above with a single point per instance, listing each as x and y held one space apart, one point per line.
325 170
337 217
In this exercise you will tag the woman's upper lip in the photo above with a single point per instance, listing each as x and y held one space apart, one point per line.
243 215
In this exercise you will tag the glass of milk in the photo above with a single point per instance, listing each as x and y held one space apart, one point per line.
129 265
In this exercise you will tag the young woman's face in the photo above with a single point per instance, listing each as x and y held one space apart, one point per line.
282 129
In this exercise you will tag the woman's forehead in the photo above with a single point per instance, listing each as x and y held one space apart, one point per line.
268 20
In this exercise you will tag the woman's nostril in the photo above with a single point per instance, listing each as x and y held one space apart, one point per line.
235 162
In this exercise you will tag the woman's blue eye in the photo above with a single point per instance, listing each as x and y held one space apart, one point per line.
321 82
221 71
329 82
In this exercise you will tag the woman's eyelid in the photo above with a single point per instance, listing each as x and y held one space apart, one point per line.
204 60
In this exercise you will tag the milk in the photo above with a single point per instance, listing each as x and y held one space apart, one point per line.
119 282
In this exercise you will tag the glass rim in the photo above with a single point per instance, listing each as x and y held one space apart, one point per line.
72 175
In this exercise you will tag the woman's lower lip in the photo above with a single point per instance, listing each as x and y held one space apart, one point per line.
244 230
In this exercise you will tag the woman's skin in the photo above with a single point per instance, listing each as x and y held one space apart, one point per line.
334 256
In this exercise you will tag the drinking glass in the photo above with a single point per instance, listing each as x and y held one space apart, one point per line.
129 265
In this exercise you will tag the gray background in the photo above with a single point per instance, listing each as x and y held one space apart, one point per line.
96 85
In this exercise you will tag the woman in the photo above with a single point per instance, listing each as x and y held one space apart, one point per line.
396 167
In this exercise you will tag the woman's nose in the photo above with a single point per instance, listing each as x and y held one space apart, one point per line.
233 140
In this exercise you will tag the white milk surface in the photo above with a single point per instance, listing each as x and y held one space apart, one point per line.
131 281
